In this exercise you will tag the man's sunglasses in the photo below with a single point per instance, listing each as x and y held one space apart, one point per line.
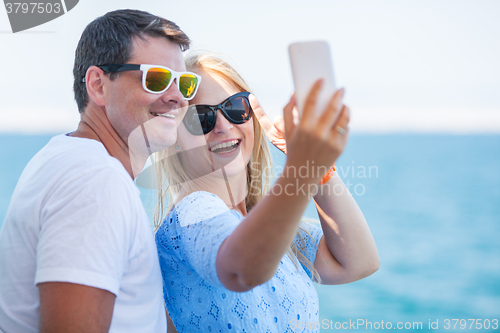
157 79
200 119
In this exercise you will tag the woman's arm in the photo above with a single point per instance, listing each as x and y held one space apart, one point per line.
251 254
170 324
347 250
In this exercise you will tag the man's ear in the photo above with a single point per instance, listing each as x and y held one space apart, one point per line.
94 80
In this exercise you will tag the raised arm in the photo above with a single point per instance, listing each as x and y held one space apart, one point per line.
347 251
251 254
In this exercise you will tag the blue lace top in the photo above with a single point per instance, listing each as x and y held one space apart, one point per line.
188 242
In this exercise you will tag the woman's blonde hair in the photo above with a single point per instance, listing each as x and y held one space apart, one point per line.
171 178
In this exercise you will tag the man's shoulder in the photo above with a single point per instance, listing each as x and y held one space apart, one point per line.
69 162
76 155
77 150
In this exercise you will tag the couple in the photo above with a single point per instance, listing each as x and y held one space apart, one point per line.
76 250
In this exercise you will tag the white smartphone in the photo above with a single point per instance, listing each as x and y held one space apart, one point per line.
310 62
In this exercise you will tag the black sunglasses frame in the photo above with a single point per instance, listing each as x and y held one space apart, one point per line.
222 107
113 68
174 76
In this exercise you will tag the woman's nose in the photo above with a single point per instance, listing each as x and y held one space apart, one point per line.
222 125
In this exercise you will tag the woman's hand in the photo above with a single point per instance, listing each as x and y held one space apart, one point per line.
347 252
251 255
316 138
275 130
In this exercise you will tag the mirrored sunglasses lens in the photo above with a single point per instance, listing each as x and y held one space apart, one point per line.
238 109
158 79
187 85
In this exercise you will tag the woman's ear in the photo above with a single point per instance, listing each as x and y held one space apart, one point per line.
94 80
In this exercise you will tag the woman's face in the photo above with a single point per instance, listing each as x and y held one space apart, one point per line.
228 145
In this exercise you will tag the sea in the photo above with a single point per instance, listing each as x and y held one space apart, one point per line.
432 202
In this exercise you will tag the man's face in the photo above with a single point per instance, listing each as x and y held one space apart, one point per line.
128 105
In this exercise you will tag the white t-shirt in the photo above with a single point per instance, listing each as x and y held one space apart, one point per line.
76 216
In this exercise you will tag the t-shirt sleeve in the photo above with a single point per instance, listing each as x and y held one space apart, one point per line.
307 241
86 230
204 222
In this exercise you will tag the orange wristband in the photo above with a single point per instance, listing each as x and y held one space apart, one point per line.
328 175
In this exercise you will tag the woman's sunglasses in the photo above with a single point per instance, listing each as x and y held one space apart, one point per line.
157 79
201 119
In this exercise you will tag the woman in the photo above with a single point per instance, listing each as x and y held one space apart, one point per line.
232 259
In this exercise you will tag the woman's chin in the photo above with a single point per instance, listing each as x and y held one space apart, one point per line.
231 170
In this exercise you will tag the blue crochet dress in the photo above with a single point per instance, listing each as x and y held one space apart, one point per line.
188 241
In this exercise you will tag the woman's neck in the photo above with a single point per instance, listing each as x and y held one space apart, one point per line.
231 189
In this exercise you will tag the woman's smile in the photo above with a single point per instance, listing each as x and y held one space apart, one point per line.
225 147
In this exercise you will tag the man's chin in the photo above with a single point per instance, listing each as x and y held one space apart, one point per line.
152 137
160 138
160 133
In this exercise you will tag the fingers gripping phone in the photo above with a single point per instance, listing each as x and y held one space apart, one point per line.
311 61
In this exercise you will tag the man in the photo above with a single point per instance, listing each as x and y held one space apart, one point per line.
77 252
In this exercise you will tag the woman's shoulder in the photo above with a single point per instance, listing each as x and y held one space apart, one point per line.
199 206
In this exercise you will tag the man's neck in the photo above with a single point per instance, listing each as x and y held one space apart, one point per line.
85 132
95 125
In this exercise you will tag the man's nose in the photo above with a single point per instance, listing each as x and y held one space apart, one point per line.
173 95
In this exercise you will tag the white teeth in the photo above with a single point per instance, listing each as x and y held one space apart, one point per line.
171 116
224 145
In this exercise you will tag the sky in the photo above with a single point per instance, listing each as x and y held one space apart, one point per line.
407 66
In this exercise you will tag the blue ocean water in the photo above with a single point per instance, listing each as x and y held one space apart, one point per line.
433 205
